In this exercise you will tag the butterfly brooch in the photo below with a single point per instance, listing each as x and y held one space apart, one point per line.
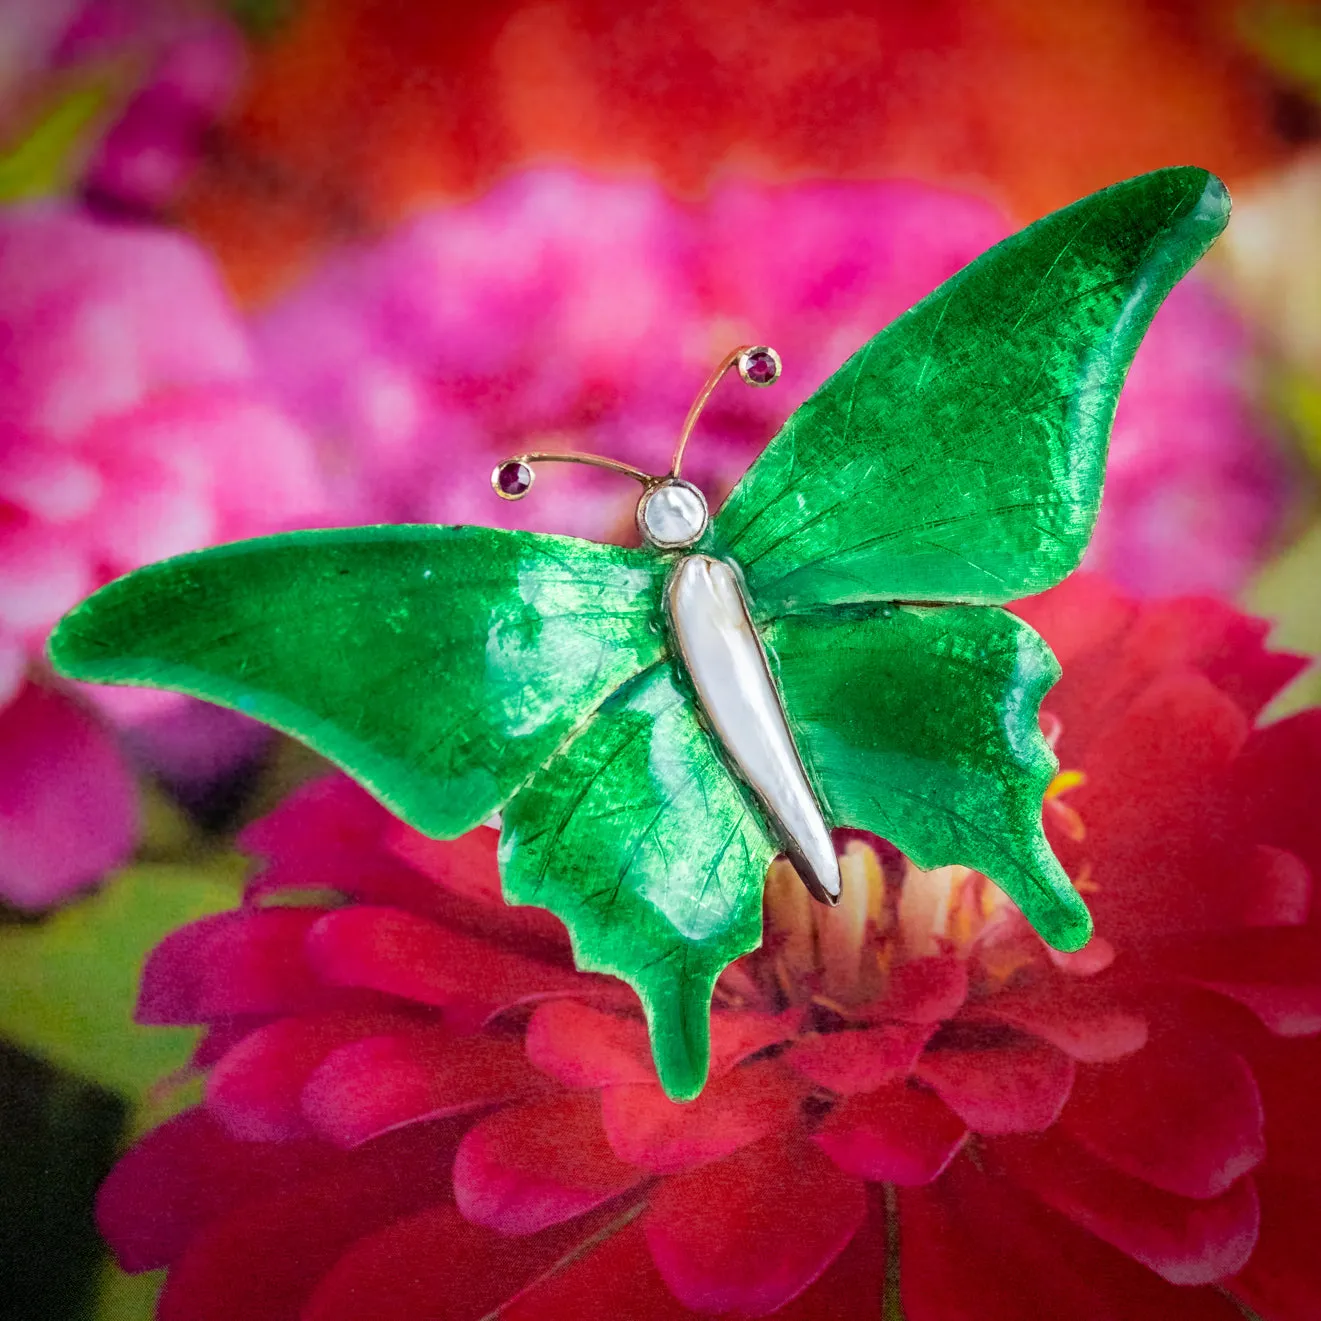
654 725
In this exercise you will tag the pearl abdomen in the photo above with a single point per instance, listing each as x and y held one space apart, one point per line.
725 660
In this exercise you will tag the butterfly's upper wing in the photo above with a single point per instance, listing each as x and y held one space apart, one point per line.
959 455
439 666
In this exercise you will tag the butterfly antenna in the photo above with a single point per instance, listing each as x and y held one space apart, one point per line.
758 364
512 479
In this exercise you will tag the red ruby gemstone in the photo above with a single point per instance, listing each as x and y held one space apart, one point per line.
760 368
514 478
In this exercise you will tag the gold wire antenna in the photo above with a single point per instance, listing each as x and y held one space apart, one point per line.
512 479
758 365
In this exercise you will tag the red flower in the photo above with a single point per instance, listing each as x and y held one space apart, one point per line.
359 110
415 1108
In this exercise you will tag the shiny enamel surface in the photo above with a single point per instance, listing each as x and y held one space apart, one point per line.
960 454
725 663
439 666
958 457
639 839
922 726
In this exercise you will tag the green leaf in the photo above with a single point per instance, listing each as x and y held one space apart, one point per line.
1288 38
439 666
123 1297
47 158
639 840
959 456
263 19
1287 591
921 726
70 981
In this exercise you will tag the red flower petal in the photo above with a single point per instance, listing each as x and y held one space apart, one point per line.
467 866
256 1088
586 1047
465 869
1186 1241
1273 971
646 1128
376 1085
736 1034
852 1285
860 1061
325 835
435 1266
1085 613
583 1046
1276 779
1282 1280
183 1175
220 1038
1288 1074
264 1258
332 834
1020 1087
616 1281
463 876
1183 1114
752 1231
1111 651
248 962
1154 779
897 1134
973 1245
1081 1021
531 1166
1095 956
405 955
1219 641
927 990
68 800
1279 887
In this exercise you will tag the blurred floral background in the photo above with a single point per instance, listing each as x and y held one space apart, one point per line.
288 263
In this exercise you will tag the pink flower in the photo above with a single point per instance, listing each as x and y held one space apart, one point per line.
562 312
148 152
68 805
1195 484
170 70
414 1106
131 427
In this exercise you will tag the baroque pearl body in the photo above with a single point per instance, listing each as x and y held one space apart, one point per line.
725 660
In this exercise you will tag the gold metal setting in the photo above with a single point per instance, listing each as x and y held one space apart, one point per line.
741 358
511 495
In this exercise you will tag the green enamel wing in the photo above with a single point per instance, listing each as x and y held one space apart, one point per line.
956 461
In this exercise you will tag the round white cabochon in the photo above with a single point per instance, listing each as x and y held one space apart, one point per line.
674 514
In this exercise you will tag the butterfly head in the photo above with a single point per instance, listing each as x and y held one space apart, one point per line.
672 513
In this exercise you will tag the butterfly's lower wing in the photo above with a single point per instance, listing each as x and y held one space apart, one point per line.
439 666
636 835
921 725
959 455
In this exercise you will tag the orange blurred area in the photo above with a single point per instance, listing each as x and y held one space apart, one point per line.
358 110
